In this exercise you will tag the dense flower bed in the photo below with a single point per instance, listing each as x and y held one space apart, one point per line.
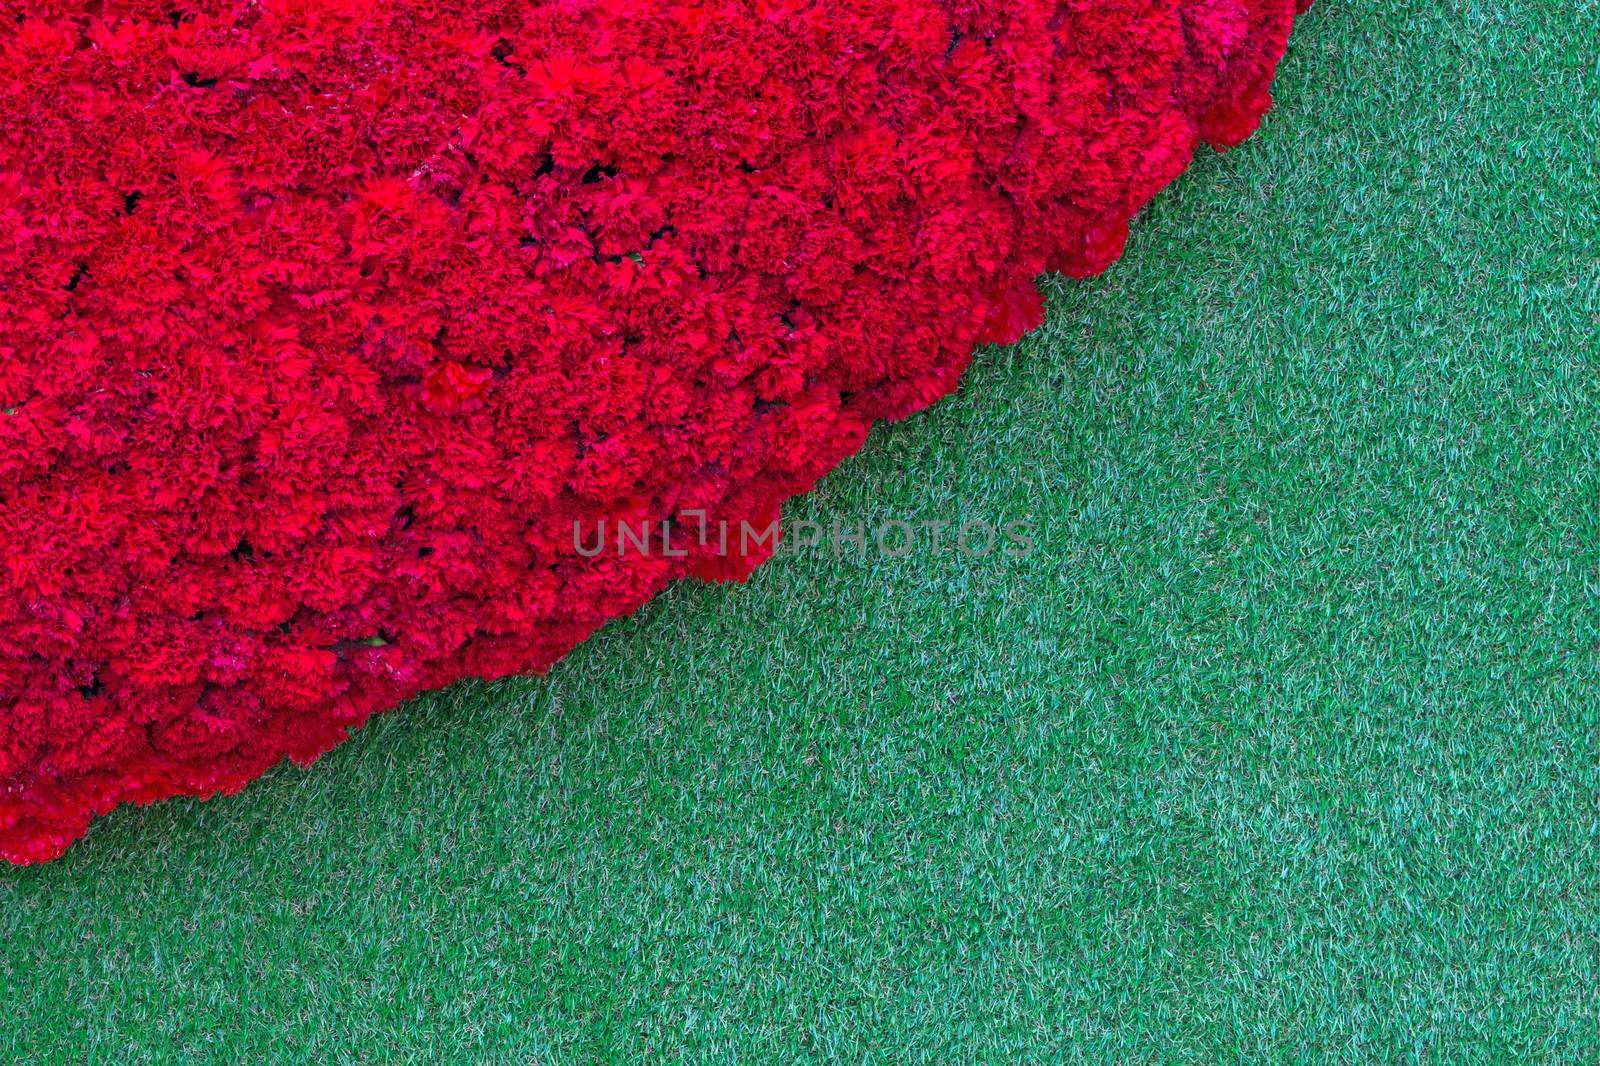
323 322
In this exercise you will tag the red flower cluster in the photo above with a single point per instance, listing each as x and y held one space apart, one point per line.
324 323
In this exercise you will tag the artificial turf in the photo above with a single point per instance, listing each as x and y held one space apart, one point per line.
1282 745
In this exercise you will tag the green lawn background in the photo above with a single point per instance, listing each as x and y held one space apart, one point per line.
1284 746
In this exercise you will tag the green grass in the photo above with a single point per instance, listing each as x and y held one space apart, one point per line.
1283 746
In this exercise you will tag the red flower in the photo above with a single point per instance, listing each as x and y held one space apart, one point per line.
1016 310
326 322
450 387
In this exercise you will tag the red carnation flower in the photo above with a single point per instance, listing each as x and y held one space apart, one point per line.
326 322
450 387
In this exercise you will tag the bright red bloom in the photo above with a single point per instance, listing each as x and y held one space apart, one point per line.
324 323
